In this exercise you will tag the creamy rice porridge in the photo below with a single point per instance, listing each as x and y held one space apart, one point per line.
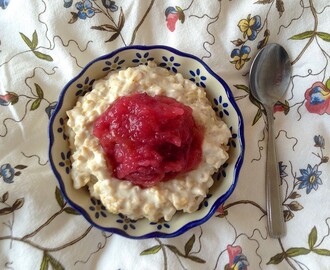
89 166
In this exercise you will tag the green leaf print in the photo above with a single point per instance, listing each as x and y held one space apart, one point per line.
121 21
39 91
264 2
47 259
6 211
303 35
297 251
152 250
31 44
35 105
327 83
18 204
312 238
196 259
59 197
324 36
175 250
27 41
257 117
34 40
324 252
54 263
70 211
5 197
105 27
189 245
242 87
43 56
20 167
277 258
44 263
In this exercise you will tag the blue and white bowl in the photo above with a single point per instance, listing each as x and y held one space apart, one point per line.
223 103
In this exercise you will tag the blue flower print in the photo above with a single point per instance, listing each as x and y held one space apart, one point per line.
310 178
85 9
198 78
67 3
50 108
142 59
98 208
7 172
84 88
66 163
127 223
283 174
4 4
169 64
114 65
110 5
161 225
240 56
319 141
224 105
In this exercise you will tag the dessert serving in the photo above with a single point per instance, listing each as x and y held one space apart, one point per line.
146 142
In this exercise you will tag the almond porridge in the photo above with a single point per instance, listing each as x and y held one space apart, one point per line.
176 179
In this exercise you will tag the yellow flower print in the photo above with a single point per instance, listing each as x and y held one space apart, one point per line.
250 26
240 56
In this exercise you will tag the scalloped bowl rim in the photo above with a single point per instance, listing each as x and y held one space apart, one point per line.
216 204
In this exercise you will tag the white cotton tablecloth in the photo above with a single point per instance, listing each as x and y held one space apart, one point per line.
43 44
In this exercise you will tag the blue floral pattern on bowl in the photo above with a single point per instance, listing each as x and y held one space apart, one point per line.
198 78
65 161
113 65
98 208
61 129
190 67
221 107
126 222
170 64
142 58
85 87
161 225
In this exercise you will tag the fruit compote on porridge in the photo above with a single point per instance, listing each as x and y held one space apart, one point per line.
146 142
149 139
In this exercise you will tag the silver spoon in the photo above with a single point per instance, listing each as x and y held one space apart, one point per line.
269 79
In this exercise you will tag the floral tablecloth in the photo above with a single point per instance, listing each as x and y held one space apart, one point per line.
43 44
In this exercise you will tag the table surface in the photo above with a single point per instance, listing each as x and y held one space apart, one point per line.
43 44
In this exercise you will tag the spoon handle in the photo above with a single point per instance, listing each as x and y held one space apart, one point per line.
273 193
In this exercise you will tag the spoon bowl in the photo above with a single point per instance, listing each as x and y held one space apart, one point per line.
270 76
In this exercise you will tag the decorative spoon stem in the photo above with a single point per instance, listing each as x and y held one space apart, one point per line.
273 193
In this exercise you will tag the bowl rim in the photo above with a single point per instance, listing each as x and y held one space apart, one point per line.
216 204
